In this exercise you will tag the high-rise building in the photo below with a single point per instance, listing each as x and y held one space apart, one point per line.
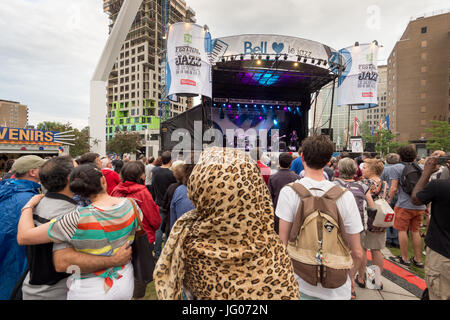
13 114
134 85
418 77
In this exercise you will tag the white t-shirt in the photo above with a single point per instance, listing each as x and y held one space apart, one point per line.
288 202
148 170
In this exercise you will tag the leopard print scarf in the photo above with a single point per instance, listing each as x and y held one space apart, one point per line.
226 248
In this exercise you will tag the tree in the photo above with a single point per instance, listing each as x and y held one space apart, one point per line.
366 133
440 135
124 142
81 142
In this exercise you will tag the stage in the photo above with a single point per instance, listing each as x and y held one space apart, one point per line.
261 84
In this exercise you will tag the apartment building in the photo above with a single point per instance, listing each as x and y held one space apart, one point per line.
419 76
13 114
136 81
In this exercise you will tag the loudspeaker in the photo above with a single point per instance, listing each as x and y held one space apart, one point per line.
326 132
370 147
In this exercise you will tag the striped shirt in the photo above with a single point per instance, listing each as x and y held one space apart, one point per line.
97 231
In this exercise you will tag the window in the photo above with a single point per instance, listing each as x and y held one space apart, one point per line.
423 44
423 109
132 112
423 69
424 30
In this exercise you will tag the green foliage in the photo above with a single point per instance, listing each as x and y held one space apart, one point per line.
383 139
81 142
124 142
440 135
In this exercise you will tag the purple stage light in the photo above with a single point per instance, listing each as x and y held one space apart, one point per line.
229 106
260 118
237 117
284 108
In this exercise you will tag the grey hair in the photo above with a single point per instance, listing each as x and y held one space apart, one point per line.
347 168
392 158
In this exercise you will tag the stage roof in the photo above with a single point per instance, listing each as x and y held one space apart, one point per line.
271 66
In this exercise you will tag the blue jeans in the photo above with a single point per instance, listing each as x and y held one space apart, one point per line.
392 236
159 235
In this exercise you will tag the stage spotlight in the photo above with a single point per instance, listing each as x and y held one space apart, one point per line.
254 105
318 62
259 57
260 118
275 121
267 57
224 104
229 106
285 109
271 107
252 57
242 57
285 57
246 106
238 105
356 44
375 42
258 62
305 60
298 58
223 59
277 57
232 58
295 64
278 107
312 61
325 62
215 104
289 108
236 117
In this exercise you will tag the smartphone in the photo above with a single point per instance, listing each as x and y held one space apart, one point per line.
443 160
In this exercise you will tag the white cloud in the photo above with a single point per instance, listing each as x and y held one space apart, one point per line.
49 48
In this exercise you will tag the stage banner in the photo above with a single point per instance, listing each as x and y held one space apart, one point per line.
263 44
358 83
188 70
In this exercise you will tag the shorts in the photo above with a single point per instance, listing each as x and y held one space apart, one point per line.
373 240
408 219
437 275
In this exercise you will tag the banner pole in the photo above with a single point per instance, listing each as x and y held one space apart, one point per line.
348 128
315 109
331 111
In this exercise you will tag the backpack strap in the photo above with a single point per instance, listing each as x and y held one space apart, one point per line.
300 189
305 202
334 193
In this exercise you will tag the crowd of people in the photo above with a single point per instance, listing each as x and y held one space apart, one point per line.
225 227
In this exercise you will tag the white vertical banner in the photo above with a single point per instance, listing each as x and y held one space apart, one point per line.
188 67
358 83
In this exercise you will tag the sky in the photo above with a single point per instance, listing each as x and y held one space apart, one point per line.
49 48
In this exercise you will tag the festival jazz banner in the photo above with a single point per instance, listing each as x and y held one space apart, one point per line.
358 83
188 66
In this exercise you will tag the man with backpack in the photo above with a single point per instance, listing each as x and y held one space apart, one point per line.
320 225
404 176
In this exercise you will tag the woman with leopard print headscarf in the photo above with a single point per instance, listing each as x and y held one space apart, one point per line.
226 248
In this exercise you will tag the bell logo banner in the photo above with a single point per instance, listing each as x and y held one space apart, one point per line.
188 67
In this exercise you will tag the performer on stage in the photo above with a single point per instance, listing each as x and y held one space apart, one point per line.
294 140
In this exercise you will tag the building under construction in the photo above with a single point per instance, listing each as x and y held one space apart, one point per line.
136 102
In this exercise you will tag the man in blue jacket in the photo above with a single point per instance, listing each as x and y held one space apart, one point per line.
297 164
14 194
